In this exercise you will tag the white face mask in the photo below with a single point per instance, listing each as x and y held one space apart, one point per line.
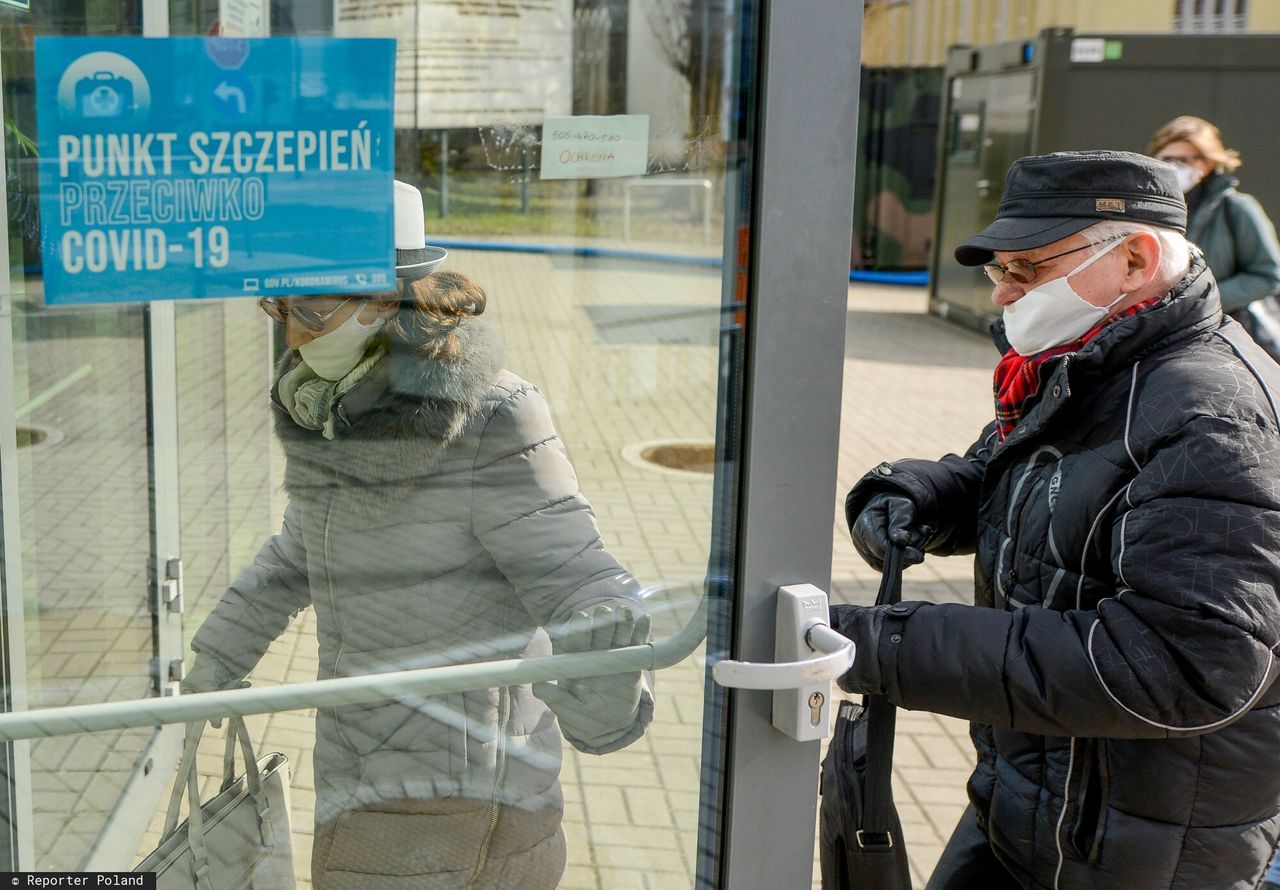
1188 177
1053 313
334 354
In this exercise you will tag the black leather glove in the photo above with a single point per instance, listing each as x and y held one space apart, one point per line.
863 625
889 517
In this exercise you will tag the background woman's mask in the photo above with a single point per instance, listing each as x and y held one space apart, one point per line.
1188 176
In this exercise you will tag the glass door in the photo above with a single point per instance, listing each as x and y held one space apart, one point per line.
89 539
616 402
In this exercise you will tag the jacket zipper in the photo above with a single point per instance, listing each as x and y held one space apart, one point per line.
500 775
1066 799
328 577
1091 801
333 603
1094 757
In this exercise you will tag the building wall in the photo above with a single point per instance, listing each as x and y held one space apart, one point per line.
1264 16
918 32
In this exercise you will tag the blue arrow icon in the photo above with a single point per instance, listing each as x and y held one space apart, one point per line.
234 94
226 92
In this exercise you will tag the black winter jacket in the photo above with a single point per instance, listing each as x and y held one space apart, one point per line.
1120 668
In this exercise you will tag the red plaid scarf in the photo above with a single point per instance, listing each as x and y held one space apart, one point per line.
1017 377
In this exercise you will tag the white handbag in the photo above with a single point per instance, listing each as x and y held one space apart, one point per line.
240 837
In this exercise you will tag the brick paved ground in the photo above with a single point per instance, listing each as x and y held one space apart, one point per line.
84 532
914 386
626 352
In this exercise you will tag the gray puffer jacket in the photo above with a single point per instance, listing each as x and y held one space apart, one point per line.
442 525
1119 669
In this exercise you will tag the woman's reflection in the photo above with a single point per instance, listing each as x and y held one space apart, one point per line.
433 519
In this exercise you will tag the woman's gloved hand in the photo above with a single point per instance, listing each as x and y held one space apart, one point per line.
890 517
208 674
601 714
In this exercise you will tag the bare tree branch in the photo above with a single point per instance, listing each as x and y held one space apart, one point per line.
669 21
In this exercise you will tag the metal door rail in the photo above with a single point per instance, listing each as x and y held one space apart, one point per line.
44 722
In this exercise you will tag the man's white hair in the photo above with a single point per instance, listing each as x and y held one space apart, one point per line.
1175 250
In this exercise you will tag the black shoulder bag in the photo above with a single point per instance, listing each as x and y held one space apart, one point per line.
861 836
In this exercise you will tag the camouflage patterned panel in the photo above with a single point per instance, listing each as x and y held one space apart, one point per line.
897 158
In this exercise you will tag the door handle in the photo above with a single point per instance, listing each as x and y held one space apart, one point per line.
799 678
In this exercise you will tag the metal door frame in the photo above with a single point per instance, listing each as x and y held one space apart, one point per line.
17 848
801 225
129 820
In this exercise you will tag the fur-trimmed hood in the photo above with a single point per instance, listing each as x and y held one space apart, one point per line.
395 426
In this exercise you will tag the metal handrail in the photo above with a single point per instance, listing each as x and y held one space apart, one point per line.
44 722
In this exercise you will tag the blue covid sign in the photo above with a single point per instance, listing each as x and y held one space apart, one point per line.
188 167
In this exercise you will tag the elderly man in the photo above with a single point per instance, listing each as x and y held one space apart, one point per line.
1124 509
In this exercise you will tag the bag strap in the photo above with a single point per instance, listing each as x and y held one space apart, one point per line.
891 580
238 735
878 822
187 765
188 779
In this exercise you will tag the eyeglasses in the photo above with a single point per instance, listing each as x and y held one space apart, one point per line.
1024 271
1184 160
279 310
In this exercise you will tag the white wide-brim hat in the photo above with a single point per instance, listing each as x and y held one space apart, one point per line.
414 257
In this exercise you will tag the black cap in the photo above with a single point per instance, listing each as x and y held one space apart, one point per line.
1048 197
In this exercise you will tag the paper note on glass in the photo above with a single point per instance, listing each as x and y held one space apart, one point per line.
595 146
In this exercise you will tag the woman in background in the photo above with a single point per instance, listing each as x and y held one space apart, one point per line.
1237 237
